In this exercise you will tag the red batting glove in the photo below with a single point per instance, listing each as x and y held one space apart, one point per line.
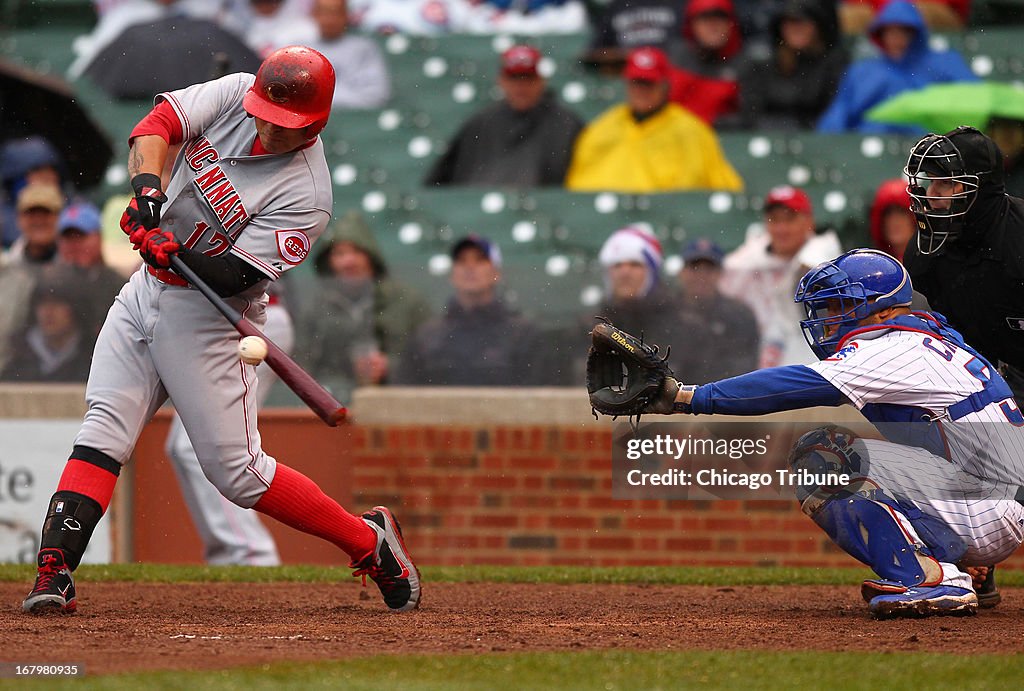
137 237
157 248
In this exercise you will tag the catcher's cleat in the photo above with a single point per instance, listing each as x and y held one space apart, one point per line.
389 565
984 578
927 601
54 590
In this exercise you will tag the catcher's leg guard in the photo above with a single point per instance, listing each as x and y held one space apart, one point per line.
823 451
874 533
831 449
891 535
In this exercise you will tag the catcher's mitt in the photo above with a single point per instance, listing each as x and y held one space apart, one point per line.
649 386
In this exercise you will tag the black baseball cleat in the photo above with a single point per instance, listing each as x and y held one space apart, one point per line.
54 591
389 565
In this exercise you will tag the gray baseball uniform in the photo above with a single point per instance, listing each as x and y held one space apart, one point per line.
163 339
230 534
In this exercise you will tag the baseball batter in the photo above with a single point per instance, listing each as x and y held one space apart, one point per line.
249 193
943 492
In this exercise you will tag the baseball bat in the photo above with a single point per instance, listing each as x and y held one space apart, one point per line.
319 399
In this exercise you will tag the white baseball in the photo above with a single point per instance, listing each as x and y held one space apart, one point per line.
252 350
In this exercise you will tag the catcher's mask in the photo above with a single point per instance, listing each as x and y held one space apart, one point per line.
942 189
838 294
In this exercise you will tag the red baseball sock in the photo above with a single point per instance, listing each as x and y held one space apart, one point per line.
297 501
88 479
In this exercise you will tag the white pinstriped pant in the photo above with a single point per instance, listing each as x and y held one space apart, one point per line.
991 528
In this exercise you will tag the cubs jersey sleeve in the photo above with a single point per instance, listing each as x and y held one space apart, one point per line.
267 209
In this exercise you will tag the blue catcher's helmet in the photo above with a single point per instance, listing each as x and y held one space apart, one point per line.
838 294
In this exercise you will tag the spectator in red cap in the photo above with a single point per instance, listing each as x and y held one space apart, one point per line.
764 271
524 140
892 222
649 144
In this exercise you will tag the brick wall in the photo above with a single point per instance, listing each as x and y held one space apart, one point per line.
526 482
529 482
542 495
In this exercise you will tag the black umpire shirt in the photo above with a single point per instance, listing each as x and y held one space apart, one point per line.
977 282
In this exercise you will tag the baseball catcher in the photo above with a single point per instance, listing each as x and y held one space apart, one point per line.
937 497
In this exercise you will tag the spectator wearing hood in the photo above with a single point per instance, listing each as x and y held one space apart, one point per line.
359 320
478 340
53 347
23 162
708 61
791 87
757 22
938 15
892 222
906 62
764 271
1008 134
524 140
649 144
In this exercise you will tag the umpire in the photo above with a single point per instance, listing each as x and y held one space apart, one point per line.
967 256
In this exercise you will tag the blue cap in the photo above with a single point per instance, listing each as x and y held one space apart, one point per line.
81 216
703 249
487 247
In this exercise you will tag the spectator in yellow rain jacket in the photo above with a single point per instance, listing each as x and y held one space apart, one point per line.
648 144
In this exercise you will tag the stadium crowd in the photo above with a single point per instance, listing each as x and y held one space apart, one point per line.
690 69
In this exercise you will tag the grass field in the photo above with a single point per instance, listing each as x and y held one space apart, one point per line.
586 669
660 575
604 671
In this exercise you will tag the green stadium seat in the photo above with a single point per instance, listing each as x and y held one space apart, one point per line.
78 14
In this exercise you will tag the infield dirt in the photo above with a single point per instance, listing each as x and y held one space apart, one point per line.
133 626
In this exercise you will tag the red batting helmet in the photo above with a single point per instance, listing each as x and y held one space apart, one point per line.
294 88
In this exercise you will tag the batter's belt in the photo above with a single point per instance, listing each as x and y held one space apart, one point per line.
167 276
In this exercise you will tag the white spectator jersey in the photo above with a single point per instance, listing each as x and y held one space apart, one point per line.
267 210
925 390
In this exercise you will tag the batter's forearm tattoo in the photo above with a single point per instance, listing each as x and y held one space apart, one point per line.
135 161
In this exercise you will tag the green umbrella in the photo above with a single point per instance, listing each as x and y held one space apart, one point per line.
942 107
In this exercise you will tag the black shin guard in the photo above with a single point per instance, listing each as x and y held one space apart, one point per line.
70 521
